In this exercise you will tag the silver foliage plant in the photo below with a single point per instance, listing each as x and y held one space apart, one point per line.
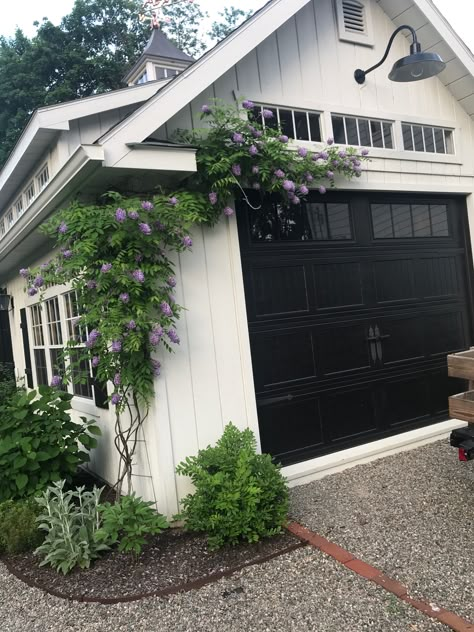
71 520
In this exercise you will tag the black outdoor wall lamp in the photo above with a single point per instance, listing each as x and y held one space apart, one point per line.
415 67
6 302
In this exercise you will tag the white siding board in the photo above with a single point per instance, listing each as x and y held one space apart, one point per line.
225 87
290 65
326 33
269 69
204 98
309 53
247 76
393 9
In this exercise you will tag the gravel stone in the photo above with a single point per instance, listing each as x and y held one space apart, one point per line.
303 590
410 515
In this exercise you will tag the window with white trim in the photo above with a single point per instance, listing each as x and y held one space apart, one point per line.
143 78
19 207
434 140
2 227
81 369
10 219
296 124
29 193
39 348
164 73
42 178
349 130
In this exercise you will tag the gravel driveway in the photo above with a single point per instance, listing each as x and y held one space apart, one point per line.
300 591
410 515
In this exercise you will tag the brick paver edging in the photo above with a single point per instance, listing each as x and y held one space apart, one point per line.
372 574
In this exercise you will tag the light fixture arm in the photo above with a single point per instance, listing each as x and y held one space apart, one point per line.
415 47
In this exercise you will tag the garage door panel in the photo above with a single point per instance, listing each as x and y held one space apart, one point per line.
402 339
349 413
437 277
394 280
405 400
280 290
338 284
445 333
343 348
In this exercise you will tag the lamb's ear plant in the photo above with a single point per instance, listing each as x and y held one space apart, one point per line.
70 520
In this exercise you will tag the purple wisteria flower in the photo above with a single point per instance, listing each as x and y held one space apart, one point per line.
256 186
156 366
139 258
248 105
39 281
213 197
131 324
147 206
144 228
255 170
24 272
120 215
302 151
324 155
295 200
124 297
253 151
228 211
365 152
116 346
166 309
290 195
171 281
238 138
117 379
67 254
342 153
95 361
357 170
173 201
330 141
138 276
205 109
279 174
159 225
173 336
330 175
106 267
267 114
94 335
257 133
336 163
236 170
322 190
303 189
32 291
115 399
91 284
62 228
133 215
355 162
309 177
288 185
315 157
283 139
55 381
187 241
155 336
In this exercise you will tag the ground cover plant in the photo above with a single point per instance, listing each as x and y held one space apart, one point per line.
239 495
18 527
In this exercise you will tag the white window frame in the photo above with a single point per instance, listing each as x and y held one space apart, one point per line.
10 218
2 227
369 120
41 181
29 193
445 130
70 329
19 206
276 109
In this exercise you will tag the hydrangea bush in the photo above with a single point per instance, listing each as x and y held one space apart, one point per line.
116 253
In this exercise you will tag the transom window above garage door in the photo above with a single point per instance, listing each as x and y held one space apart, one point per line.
349 130
435 140
312 221
404 221
296 124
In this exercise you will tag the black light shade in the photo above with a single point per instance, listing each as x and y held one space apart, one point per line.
5 301
417 67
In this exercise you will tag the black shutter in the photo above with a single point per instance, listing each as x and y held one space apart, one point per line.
100 392
26 348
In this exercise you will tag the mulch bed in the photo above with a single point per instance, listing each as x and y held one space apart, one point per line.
172 562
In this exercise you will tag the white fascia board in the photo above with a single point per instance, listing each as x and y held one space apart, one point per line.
157 159
21 146
192 81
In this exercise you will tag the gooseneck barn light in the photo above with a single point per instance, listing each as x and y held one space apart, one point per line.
415 67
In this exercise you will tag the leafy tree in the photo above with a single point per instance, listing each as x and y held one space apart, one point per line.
231 18
182 25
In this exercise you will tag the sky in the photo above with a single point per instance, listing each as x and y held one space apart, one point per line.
460 13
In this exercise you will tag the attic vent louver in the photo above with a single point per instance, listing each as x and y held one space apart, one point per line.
354 16
354 21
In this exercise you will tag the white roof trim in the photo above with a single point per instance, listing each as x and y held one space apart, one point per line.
190 83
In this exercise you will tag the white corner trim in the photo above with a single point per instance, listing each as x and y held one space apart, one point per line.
318 468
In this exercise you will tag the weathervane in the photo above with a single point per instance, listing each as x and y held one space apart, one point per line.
152 10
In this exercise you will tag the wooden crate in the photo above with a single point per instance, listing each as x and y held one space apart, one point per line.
462 406
462 365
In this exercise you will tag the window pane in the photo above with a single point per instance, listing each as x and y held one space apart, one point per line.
36 318
421 220
41 370
314 127
429 139
364 132
264 223
401 218
53 321
407 138
376 129
257 113
382 221
439 220
387 135
293 225
338 130
81 376
351 129
448 137
57 364
286 123
272 122
301 124
418 138
316 214
439 139
339 221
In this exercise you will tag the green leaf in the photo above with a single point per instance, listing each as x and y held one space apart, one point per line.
21 481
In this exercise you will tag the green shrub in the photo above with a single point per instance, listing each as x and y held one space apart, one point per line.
39 443
18 529
128 522
70 520
8 386
240 495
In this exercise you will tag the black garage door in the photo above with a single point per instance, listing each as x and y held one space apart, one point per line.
353 303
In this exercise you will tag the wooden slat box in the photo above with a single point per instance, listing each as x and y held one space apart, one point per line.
462 365
462 406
